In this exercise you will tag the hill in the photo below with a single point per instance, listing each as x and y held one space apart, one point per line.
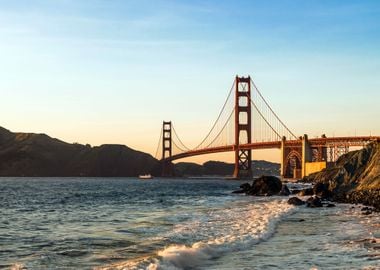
29 154
259 167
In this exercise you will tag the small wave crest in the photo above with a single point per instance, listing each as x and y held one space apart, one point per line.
213 234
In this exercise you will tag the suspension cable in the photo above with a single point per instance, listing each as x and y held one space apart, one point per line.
270 108
262 116
159 143
178 138
225 124
220 114
183 150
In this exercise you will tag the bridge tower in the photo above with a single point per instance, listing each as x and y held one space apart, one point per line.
167 166
243 130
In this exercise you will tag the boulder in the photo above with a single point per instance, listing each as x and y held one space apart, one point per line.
306 192
284 190
321 190
314 201
295 201
245 186
265 186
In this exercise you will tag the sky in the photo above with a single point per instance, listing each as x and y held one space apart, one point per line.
111 71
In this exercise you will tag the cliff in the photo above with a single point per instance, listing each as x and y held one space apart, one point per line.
29 154
355 177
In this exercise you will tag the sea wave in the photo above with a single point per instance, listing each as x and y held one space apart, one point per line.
213 234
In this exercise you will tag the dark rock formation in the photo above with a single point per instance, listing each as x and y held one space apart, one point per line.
284 190
306 192
28 154
295 201
321 190
354 178
265 186
314 201
246 187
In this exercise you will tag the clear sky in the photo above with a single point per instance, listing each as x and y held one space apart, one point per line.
92 71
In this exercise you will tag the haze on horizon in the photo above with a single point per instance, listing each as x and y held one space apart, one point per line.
110 71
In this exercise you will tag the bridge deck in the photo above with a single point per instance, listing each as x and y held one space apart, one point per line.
317 142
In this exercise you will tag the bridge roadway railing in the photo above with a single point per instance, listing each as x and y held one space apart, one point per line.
316 142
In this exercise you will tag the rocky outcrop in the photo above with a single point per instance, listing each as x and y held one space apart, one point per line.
263 186
314 201
284 191
29 154
354 178
295 201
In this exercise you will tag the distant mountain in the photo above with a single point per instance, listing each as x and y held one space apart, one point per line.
29 154
259 167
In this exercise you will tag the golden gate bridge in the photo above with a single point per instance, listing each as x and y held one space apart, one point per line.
247 122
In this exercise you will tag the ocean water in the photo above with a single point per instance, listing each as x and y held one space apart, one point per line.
126 223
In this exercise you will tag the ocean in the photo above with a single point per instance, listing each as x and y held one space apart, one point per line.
127 223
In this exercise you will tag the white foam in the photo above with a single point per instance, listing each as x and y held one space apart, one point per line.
216 233
230 230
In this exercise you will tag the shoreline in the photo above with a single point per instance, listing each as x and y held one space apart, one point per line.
303 240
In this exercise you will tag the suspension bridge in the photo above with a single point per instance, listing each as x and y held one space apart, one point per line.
247 122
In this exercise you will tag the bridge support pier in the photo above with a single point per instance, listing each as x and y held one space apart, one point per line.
243 128
283 158
167 166
307 154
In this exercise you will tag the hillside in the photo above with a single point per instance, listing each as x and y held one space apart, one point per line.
29 154
259 167
355 177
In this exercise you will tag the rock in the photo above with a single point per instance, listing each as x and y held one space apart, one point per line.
295 201
245 186
265 186
353 178
296 191
314 202
284 191
321 190
306 192
330 205
366 213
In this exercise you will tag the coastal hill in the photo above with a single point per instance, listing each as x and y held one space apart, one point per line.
259 167
355 177
30 154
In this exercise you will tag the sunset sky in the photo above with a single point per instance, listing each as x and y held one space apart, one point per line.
110 71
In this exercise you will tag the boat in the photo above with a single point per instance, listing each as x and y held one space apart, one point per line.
145 176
